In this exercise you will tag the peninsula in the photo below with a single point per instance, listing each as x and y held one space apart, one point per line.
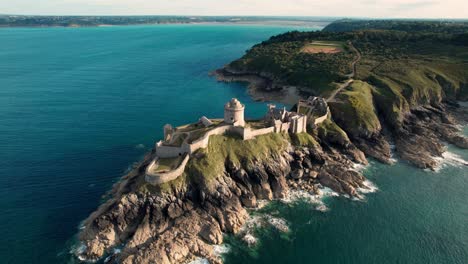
363 87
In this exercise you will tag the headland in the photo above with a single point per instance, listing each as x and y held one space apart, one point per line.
202 179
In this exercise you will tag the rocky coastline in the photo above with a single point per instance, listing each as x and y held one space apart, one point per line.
186 221
261 86
380 113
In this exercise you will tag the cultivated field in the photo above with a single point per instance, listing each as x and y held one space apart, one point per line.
330 47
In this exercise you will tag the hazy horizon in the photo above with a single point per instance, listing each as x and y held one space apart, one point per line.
379 9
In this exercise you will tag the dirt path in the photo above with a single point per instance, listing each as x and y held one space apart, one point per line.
351 75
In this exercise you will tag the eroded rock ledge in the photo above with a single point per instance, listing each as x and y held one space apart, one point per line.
180 224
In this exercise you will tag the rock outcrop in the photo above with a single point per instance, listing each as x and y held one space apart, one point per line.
184 222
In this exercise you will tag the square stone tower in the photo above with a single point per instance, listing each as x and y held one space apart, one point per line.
234 113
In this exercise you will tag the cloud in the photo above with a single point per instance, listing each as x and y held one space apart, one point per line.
363 8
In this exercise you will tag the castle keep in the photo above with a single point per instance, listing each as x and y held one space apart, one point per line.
234 113
173 153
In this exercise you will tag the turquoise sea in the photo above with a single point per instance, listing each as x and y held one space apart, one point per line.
79 105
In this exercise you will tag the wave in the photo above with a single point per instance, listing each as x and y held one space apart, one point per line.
370 187
221 249
311 198
449 159
359 167
199 261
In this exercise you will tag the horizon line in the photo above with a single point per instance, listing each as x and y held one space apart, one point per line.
246 16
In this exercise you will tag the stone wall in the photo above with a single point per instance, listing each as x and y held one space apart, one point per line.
203 142
155 178
319 120
250 133
170 152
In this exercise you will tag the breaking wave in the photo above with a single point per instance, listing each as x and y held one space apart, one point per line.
449 159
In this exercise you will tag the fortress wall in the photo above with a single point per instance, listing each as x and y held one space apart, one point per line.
170 152
249 133
284 127
322 118
158 178
203 142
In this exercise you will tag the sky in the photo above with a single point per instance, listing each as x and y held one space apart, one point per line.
340 8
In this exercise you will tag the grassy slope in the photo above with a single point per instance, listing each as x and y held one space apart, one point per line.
403 68
208 164
355 110
212 161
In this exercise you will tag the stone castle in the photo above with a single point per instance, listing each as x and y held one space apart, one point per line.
173 153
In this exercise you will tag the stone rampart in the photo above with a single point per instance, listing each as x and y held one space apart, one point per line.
252 133
170 151
155 178
319 120
203 141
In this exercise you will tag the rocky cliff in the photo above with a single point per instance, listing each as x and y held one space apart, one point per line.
182 220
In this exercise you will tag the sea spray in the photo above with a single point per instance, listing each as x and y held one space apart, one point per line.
449 159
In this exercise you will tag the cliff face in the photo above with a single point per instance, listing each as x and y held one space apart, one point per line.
181 221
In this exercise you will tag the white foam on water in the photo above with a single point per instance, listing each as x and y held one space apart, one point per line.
311 198
359 167
370 187
261 204
78 250
219 250
392 158
199 261
250 239
322 208
253 222
449 159
278 223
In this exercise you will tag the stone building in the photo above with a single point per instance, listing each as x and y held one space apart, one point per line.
316 105
285 121
234 113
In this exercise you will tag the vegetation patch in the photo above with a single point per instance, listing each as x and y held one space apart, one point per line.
208 163
354 110
168 164
330 131
303 139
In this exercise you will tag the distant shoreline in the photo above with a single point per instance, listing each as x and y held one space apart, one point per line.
11 21
247 23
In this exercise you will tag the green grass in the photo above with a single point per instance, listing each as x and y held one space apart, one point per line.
355 110
329 129
303 139
197 134
176 185
168 164
211 161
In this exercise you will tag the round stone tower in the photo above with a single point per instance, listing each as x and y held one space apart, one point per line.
234 113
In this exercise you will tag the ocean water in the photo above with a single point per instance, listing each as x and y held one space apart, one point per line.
79 105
